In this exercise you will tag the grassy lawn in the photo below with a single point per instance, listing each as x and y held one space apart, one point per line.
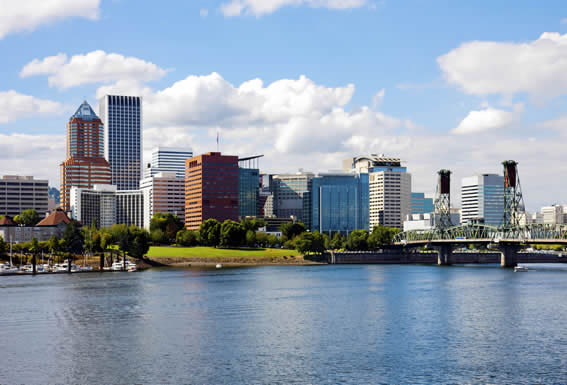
211 252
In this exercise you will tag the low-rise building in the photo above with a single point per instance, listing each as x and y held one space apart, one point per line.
53 224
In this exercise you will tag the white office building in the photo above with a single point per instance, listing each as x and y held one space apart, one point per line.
19 193
168 159
482 199
163 193
427 221
390 198
552 215
122 119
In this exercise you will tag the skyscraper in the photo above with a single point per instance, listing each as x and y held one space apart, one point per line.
482 199
122 118
292 196
211 189
168 159
84 165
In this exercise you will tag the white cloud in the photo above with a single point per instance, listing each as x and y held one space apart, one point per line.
488 119
262 7
378 99
27 15
93 67
14 105
558 125
538 67
204 12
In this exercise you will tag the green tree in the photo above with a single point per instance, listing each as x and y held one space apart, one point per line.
251 238
252 223
291 230
209 232
159 236
381 236
73 238
357 240
232 234
29 217
18 220
262 239
3 246
140 242
168 223
187 238
338 242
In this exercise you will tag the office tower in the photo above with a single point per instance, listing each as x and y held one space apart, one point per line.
552 215
482 199
122 118
340 202
19 193
84 165
292 196
168 159
106 206
420 204
211 189
248 186
164 192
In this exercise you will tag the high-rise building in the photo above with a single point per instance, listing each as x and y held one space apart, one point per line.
292 196
122 118
168 159
552 215
248 186
211 189
421 204
84 165
340 202
19 193
163 193
482 199
106 206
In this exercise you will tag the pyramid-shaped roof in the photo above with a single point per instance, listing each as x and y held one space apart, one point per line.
85 112
55 218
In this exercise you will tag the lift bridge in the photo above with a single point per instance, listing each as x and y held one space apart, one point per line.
510 237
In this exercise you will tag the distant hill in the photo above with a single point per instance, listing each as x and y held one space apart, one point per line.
54 193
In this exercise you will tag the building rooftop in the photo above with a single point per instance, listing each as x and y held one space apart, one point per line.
55 218
7 221
85 112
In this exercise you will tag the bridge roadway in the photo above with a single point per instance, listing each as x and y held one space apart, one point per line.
399 256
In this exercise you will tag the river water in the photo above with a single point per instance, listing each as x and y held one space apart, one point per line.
286 325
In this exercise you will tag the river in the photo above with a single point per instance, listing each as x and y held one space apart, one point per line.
332 324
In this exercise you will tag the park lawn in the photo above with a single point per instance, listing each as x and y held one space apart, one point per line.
212 252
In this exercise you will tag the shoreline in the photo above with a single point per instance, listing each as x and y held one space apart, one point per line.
228 261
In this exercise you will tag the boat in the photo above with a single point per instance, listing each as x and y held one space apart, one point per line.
218 266
519 269
7 268
119 266
64 267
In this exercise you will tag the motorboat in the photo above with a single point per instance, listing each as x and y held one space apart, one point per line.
120 265
519 269
64 267
7 268
218 266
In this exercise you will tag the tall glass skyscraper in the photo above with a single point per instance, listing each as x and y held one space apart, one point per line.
248 192
340 203
292 196
420 204
122 118
482 199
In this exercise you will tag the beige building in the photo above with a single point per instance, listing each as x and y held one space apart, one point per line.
390 198
163 193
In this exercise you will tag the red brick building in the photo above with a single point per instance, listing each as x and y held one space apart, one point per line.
211 189
85 165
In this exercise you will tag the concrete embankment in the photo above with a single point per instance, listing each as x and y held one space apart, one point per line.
233 261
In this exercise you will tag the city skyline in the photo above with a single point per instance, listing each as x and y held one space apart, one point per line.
356 92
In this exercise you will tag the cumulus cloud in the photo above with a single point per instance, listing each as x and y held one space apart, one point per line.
27 15
378 99
488 119
93 67
538 68
14 105
558 125
262 7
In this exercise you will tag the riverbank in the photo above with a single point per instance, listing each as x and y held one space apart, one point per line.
210 256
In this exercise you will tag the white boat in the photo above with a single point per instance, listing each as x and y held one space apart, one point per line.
7 268
64 267
218 266
519 269
119 266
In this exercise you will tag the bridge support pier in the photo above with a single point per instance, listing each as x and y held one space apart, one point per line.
509 255
444 255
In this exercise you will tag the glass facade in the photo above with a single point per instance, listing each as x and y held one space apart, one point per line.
292 197
420 204
248 192
340 203
122 118
482 199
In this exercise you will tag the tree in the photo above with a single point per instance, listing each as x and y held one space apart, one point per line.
251 238
187 238
232 234
73 238
357 240
310 243
3 246
291 230
381 236
209 232
168 223
29 217
159 236
140 242
252 224
338 242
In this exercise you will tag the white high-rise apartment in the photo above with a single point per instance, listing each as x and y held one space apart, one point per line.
390 198
482 199
122 119
163 193
168 159
552 215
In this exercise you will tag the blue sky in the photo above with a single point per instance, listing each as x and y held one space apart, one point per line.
452 78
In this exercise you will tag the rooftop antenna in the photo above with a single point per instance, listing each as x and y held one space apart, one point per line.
218 150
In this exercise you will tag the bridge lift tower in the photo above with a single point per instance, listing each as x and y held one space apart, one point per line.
443 200
513 198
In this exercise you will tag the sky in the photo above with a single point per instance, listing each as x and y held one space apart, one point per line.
440 84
